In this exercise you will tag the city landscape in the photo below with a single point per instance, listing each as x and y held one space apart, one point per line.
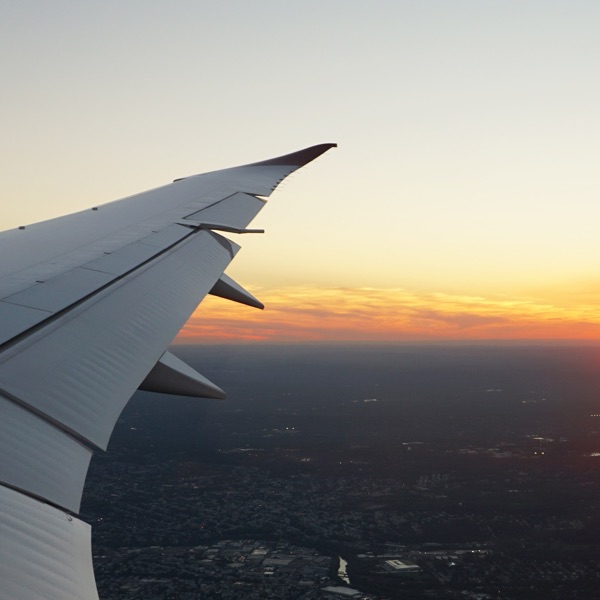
357 471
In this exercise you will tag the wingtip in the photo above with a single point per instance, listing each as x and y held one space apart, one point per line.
299 158
295 159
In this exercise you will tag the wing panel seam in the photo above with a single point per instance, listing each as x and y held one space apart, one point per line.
58 314
48 419
37 497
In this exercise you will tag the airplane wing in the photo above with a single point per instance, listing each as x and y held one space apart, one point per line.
88 304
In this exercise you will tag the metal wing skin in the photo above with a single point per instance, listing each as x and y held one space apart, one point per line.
88 304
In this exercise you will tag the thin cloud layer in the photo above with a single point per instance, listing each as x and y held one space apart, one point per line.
367 314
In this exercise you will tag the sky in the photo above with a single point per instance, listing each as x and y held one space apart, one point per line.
461 203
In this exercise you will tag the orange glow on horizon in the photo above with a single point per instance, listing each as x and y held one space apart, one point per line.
366 314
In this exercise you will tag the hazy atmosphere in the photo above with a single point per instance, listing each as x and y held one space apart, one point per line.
475 467
415 414
462 202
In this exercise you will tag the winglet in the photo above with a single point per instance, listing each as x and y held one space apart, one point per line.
297 159
170 375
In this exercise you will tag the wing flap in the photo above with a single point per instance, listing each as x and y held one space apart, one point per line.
61 291
40 459
81 369
45 554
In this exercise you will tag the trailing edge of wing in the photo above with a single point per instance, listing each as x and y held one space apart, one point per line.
40 459
45 554
80 370
171 375
88 304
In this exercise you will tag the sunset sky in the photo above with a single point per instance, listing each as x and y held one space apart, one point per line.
463 202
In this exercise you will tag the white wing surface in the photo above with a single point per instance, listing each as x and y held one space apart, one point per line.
88 304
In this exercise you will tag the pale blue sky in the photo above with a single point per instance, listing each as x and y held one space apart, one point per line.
468 130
